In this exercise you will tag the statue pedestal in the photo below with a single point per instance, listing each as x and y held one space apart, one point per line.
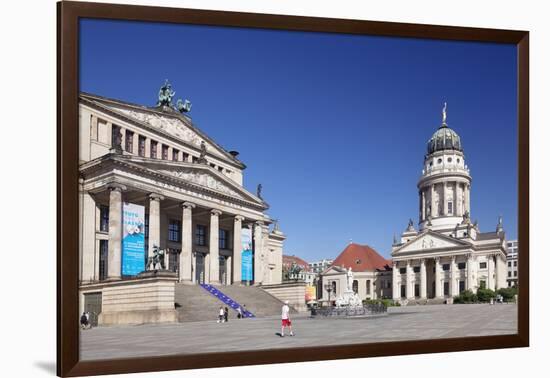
349 299
157 273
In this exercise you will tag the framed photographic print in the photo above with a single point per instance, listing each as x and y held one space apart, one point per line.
239 189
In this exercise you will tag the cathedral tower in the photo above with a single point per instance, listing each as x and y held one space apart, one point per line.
444 188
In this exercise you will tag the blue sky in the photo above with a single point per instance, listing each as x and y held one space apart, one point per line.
333 126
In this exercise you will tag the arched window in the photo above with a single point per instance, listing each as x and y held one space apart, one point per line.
355 286
450 207
334 287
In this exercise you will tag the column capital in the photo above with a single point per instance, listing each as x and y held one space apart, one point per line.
155 197
437 259
423 261
188 205
259 223
239 218
215 212
116 187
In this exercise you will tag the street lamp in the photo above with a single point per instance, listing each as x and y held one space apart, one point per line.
328 288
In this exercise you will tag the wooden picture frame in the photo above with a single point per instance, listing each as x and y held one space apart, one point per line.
69 13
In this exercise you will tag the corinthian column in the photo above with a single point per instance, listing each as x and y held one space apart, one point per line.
423 280
258 244
154 221
454 284
214 246
410 283
438 286
186 241
237 249
470 278
490 272
114 259
395 281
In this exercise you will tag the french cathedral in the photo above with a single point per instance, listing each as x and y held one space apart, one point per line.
448 253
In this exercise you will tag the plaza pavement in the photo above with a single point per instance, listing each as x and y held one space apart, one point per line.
401 323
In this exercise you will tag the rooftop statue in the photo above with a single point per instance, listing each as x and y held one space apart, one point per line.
165 95
202 156
444 112
183 106
259 191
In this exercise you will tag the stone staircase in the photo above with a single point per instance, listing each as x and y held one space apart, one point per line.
257 301
195 303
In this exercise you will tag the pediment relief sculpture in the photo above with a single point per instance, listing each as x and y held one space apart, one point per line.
203 179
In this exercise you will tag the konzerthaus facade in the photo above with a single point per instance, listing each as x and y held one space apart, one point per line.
448 254
189 189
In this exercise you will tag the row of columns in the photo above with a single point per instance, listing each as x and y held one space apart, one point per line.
459 206
453 281
186 255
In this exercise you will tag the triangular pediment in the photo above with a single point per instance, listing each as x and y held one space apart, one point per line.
430 240
172 123
201 175
333 269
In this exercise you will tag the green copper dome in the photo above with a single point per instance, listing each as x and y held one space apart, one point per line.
444 139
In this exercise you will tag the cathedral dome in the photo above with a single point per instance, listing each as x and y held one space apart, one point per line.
444 138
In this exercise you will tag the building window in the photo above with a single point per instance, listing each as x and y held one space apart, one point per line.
515 273
129 141
195 159
184 156
174 230
104 218
446 267
154 147
461 286
439 161
141 146
368 287
509 263
461 265
173 260
416 269
220 169
164 152
509 274
403 292
103 257
224 239
402 270
482 265
355 286
515 263
200 235
482 284
175 154
449 208
417 290
114 135
446 288
449 160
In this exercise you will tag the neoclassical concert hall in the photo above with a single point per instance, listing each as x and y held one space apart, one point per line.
150 172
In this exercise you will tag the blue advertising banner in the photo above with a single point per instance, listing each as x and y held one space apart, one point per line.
133 239
246 256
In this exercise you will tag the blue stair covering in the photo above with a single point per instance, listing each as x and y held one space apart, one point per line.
225 299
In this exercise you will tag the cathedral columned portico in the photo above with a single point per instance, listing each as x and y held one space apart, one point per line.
448 253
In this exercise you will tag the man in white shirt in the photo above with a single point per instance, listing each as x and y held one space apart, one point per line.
285 319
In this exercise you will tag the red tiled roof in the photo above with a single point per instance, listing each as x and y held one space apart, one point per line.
360 258
288 260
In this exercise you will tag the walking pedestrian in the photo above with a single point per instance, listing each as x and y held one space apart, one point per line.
84 321
220 315
226 314
239 313
285 319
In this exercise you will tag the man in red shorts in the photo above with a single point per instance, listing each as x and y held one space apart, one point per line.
285 319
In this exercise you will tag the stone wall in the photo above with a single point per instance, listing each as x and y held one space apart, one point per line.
139 301
294 293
